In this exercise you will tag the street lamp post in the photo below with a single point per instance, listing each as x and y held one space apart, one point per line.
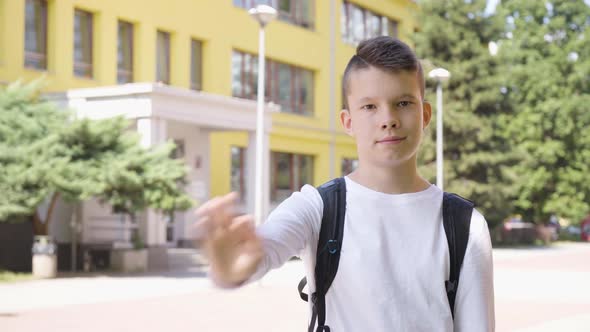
440 75
263 14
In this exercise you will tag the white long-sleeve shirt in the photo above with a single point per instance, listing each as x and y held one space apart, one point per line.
393 264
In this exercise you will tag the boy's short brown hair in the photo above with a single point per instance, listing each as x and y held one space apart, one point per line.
386 53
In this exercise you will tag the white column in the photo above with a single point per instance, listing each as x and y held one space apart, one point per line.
153 131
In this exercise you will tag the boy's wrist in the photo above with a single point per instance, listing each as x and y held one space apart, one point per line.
226 283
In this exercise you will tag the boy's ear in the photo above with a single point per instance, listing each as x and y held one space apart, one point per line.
426 114
346 121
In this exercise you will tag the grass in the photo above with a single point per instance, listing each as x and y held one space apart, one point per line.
9 276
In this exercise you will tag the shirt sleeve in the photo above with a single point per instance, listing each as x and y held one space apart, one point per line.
474 304
290 228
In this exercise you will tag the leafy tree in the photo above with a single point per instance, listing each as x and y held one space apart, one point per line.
547 52
46 153
29 129
478 158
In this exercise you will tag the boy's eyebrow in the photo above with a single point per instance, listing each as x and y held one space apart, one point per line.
366 99
407 95
404 95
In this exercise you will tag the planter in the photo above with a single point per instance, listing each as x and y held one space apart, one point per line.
129 260
44 266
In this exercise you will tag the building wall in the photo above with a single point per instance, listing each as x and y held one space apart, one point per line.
222 28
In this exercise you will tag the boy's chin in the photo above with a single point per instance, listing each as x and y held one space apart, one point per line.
392 163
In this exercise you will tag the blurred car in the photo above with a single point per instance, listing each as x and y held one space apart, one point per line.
514 230
585 229
554 227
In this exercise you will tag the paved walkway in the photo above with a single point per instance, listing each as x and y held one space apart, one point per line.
537 290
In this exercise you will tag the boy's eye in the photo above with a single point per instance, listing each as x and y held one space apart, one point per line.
369 107
404 103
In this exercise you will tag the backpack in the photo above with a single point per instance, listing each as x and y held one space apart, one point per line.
456 221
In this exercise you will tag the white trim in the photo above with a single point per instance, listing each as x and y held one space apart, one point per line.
141 100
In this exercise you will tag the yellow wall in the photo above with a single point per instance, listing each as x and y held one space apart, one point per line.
222 28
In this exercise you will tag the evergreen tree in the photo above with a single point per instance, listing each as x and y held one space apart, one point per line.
29 129
145 178
455 35
46 153
547 52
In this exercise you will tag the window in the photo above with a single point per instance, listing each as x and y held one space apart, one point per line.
163 57
178 151
286 85
391 28
245 75
358 24
36 34
125 53
196 65
238 171
298 12
289 172
247 4
349 165
285 82
83 44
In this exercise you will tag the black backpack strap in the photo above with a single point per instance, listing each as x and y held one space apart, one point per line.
456 220
333 195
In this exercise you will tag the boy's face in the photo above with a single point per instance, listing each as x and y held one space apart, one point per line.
386 116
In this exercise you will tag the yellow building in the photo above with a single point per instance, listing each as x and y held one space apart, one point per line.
211 46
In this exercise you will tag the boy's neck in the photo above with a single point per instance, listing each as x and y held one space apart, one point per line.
399 180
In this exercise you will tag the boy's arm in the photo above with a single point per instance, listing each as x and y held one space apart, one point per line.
474 305
228 240
290 228
238 253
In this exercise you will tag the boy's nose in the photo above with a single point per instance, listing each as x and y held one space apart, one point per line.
390 123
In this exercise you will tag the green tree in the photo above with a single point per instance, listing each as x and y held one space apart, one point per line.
46 153
29 131
547 52
145 178
455 35
85 146
107 162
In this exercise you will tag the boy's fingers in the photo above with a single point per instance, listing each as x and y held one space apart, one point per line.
219 210
205 209
226 209
242 228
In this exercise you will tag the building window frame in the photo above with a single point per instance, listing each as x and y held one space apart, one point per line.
83 64
296 163
353 33
163 44
196 65
294 12
36 55
125 40
238 170
299 96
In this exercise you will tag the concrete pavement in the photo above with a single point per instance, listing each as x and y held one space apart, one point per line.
537 290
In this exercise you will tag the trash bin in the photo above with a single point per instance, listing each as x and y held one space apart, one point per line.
44 257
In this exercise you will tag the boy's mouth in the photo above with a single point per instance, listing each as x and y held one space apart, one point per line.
391 140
